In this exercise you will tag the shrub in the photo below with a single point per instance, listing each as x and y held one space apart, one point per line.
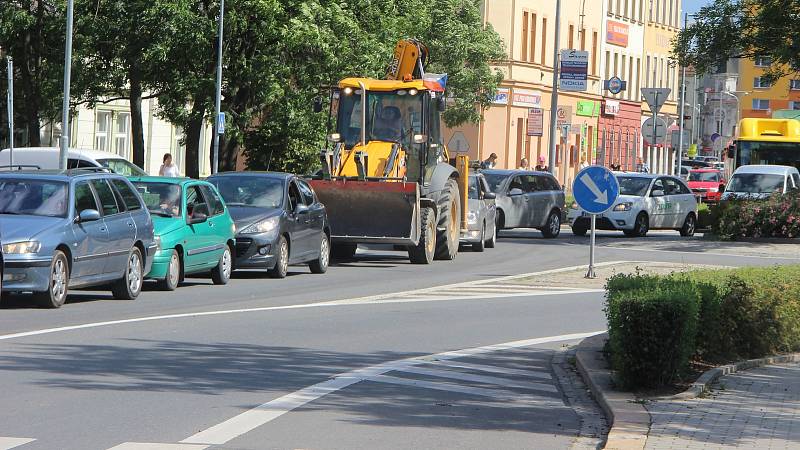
651 329
777 216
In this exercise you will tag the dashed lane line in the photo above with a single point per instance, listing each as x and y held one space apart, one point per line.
7 443
157 446
249 420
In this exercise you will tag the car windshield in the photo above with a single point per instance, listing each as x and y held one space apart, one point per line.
474 192
162 199
391 116
494 180
704 176
248 190
633 185
33 198
122 167
756 183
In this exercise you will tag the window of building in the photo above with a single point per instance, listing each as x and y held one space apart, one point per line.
524 53
582 34
594 53
760 104
638 78
622 67
647 73
102 130
533 38
794 105
178 147
763 61
630 79
610 6
794 85
544 41
570 36
761 83
122 131
608 65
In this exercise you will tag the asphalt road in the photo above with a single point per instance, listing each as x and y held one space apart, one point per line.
297 363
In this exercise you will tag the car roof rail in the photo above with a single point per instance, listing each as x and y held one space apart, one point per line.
19 167
89 170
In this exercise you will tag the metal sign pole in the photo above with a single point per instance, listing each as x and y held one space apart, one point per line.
653 149
218 90
590 273
10 111
64 149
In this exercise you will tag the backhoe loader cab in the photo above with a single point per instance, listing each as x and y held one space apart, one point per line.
386 176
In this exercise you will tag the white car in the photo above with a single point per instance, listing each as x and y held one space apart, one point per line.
646 202
759 181
47 158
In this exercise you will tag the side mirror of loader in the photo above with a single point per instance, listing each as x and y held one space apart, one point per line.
420 139
441 103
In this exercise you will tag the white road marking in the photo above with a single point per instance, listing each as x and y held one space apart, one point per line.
157 446
7 443
264 413
437 297
493 369
462 376
499 394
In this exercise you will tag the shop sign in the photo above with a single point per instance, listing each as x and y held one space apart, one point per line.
527 98
617 33
563 116
611 107
535 122
588 108
501 97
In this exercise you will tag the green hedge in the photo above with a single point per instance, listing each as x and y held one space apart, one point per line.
658 323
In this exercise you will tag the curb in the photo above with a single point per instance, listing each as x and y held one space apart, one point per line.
703 384
629 420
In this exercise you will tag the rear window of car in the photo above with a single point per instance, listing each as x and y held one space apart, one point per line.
129 197
108 201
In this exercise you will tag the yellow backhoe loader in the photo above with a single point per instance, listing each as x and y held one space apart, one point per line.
386 175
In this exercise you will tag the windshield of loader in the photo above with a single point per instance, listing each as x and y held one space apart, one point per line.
391 116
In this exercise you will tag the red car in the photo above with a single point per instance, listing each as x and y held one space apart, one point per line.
707 184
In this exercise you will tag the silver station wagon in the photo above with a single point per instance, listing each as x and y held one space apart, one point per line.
78 228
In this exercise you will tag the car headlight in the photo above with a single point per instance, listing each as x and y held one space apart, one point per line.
623 206
22 248
472 217
263 226
713 189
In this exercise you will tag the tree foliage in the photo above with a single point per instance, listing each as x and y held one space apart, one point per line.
743 29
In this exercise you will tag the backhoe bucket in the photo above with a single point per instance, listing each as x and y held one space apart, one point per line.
371 211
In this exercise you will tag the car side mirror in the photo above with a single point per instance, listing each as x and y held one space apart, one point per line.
657 193
301 209
197 217
489 196
88 215
420 139
515 192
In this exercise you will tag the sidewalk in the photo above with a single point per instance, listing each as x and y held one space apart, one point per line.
754 409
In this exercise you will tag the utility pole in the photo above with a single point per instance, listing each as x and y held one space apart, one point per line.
683 104
554 96
218 100
64 153
10 111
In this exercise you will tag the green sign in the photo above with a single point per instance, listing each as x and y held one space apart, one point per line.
588 108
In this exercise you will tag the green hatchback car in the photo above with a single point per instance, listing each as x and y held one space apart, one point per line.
193 229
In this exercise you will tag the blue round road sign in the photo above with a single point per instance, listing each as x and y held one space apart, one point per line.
595 189
615 85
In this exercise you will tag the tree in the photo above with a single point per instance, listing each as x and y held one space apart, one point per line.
743 29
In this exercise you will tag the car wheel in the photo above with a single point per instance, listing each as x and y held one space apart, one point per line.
500 222
282 260
423 252
130 285
689 226
56 294
478 246
174 270
344 251
320 265
579 230
552 228
490 243
449 223
641 226
222 273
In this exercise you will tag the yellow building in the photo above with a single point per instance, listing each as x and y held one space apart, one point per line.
760 99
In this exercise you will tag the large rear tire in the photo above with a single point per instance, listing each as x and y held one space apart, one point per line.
423 252
449 226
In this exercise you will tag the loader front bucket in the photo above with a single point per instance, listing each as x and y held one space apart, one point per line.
371 211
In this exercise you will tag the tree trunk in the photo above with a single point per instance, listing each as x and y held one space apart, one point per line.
229 154
137 124
194 128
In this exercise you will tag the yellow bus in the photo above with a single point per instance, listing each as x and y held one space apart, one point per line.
766 141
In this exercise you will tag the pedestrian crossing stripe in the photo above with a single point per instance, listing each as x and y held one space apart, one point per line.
7 443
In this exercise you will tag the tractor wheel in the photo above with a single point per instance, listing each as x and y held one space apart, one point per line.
423 252
449 226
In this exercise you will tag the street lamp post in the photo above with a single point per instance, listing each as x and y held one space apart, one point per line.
10 111
218 96
62 161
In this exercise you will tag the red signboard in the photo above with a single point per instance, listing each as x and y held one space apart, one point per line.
617 33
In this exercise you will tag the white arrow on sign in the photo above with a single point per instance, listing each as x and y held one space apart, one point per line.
600 197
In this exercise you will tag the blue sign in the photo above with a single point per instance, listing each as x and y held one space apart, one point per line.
221 123
615 85
595 189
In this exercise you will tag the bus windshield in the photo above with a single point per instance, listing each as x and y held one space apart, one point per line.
760 152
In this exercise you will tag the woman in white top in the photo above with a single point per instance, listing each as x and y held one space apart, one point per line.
168 169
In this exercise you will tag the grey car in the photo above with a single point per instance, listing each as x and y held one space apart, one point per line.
279 221
527 199
481 229
78 228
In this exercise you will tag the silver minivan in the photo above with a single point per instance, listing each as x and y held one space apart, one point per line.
527 199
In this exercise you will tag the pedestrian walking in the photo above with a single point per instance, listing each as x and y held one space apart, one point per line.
642 166
490 162
168 169
615 166
584 164
523 164
542 167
